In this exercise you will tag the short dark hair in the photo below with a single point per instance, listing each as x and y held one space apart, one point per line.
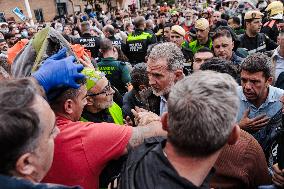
258 62
236 20
169 25
139 21
225 16
162 14
19 122
204 49
221 65
106 45
60 96
222 33
139 76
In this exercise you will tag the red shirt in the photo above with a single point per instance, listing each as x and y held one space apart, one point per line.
82 150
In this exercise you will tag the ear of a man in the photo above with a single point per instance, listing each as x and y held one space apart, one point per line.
235 135
164 120
179 75
24 166
68 106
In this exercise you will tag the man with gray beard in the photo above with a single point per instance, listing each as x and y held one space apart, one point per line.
197 133
164 68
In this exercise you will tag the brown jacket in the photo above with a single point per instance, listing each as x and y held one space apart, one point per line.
242 165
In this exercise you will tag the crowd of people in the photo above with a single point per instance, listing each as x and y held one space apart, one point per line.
172 96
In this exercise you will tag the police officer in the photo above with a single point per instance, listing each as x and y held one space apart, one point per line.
254 41
108 31
90 42
138 41
271 27
117 72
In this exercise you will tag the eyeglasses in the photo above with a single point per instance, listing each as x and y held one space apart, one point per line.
106 91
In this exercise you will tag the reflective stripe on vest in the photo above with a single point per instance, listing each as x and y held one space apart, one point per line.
115 112
142 36
194 46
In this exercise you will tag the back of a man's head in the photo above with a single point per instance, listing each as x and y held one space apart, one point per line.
202 110
105 45
139 22
19 122
221 65
139 76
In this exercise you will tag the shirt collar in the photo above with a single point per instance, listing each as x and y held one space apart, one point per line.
108 58
270 98
271 95
163 98
276 52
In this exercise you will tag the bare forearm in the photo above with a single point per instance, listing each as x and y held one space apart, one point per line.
143 132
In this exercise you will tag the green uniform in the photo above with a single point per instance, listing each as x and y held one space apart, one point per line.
116 72
194 46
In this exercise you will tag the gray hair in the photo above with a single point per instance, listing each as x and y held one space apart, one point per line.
202 110
169 51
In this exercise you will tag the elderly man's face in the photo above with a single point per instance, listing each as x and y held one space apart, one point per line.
161 79
40 159
101 95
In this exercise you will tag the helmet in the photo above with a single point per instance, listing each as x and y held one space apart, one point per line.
274 8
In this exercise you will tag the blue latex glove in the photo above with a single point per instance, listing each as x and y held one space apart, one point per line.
59 70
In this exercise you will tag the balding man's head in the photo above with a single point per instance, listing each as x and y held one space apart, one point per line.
108 30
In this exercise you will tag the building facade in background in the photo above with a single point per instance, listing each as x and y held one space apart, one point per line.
42 10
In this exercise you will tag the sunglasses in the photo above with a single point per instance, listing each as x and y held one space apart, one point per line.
106 91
